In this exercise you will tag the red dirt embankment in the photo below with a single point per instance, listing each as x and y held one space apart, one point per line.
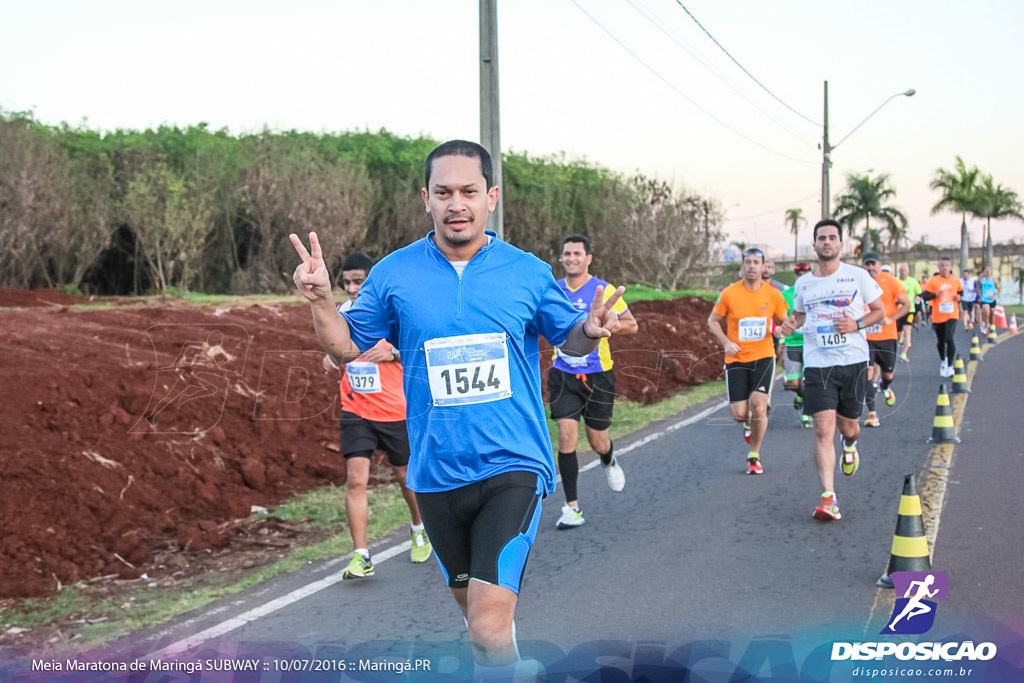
155 424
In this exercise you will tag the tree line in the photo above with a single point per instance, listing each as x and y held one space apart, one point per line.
195 209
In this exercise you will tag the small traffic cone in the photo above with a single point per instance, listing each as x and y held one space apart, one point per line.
999 317
960 377
943 430
992 336
909 545
1013 323
975 349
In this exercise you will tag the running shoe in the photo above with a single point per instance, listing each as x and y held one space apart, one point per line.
754 466
890 396
904 358
872 420
806 420
358 567
798 402
571 517
950 371
746 431
421 547
828 511
942 368
616 477
851 459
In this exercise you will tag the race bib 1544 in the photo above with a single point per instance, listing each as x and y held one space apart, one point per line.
467 369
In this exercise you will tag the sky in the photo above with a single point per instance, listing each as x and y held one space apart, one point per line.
630 85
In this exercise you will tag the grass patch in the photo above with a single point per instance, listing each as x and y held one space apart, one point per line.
217 299
636 293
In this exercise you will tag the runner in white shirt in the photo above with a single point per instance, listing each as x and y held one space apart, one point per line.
830 304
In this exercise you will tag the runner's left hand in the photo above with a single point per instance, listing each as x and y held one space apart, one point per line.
602 321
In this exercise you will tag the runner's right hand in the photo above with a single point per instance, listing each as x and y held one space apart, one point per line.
311 277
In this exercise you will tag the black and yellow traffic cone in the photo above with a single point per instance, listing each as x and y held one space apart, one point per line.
909 545
975 349
960 377
943 430
992 336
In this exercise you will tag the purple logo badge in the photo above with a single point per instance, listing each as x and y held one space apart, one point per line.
916 596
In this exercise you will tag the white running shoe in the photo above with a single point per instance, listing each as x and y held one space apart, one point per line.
616 477
571 518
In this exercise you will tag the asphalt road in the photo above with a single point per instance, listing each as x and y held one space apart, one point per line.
695 564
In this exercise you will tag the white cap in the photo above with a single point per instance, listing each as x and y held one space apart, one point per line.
887 268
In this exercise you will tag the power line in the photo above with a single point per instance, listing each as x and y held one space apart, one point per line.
645 14
684 95
789 205
742 68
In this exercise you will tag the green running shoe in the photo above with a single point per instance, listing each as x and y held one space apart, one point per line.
851 459
358 567
421 547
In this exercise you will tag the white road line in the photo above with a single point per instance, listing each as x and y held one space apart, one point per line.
241 620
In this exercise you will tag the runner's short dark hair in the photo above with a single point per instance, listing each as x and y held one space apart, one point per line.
358 261
825 222
462 148
578 238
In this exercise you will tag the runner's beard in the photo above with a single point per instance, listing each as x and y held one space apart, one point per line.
457 239
832 257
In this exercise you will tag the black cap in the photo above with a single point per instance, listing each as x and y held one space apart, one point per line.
869 256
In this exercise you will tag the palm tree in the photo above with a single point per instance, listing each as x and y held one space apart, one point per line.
958 187
793 219
866 198
994 201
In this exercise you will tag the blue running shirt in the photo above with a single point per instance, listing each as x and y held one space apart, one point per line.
470 355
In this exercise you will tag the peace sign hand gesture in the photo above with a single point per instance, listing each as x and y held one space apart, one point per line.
311 277
602 321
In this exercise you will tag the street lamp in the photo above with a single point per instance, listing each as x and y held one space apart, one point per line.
826 148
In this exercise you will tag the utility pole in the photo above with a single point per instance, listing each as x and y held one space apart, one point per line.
490 119
826 161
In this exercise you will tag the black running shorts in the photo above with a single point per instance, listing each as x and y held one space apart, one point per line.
484 530
743 379
591 397
361 437
883 354
841 388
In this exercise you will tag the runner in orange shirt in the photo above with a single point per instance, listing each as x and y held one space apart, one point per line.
943 291
372 417
882 336
748 308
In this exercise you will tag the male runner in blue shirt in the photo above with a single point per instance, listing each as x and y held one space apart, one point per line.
466 309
